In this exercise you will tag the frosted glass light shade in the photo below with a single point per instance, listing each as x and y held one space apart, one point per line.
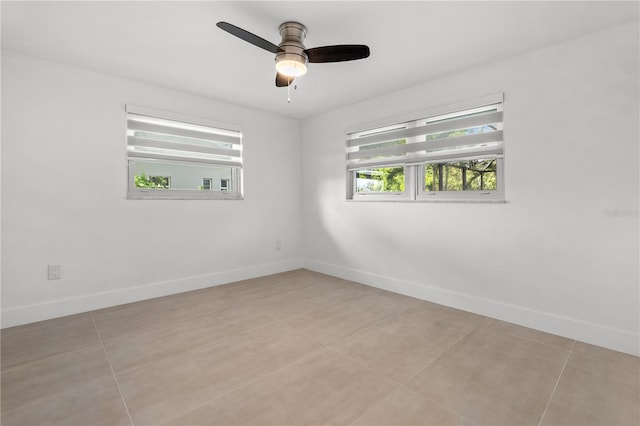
291 68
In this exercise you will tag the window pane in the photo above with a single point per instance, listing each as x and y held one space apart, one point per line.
470 175
176 176
387 179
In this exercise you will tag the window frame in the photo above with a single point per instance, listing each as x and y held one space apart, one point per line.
135 193
415 169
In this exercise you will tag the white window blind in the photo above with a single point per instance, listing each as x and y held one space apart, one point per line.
468 134
155 138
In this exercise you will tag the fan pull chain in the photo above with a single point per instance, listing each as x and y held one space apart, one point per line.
289 90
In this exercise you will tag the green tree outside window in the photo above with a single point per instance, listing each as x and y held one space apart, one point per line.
144 181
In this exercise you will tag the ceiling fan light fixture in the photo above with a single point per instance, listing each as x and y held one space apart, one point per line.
291 64
292 56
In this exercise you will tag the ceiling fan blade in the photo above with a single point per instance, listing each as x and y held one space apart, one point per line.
248 37
283 80
338 53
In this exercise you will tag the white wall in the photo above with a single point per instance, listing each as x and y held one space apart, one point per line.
562 254
64 187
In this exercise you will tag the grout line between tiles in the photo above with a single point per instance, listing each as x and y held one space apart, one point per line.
466 419
555 387
541 343
220 341
302 285
367 367
204 347
350 358
362 330
444 407
306 315
375 405
475 327
115 379
403 383
14 364
324 347
445 352
291 364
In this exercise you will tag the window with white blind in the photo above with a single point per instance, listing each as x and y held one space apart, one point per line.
175 156
454 153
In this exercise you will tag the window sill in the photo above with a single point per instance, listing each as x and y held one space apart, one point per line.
181 195
405 200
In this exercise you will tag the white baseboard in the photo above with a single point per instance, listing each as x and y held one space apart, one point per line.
75 305
596 334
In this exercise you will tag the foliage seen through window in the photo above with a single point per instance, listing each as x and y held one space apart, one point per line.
160 182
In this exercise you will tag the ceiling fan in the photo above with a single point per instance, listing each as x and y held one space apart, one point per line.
291 55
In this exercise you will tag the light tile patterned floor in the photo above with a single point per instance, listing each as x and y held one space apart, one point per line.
302 348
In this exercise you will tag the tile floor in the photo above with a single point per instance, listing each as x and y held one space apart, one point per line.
302 348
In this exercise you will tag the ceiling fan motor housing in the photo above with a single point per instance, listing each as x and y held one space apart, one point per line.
293 34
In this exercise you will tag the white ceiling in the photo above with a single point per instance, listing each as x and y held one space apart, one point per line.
177 45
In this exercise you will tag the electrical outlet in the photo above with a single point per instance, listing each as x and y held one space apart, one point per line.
55 272
278 244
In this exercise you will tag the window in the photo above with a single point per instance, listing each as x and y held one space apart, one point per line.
224 184
206 184
454 153
168 154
